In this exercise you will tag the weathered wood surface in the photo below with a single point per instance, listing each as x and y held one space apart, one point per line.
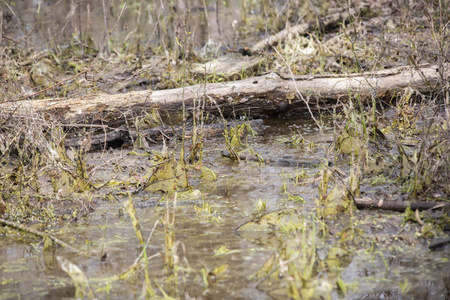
256 96
367 202
306 27
229 67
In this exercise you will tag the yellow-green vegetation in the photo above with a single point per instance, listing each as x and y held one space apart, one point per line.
223 250
168 174
233 139
33 160
260 207
288 196
292 270
208 174
389 148
76 180
81 282
132 213
286 220
206 212
410 153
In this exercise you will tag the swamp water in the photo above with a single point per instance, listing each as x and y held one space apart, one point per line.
367 256
364 256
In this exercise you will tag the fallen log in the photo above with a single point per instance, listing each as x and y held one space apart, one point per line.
256 96
306 27
435 245
367 202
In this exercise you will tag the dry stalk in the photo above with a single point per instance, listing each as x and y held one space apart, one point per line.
79 74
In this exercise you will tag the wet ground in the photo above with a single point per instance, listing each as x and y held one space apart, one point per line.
383 260
379 258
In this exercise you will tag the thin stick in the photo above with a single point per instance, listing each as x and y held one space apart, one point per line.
105 20
39 233
138 259
296 88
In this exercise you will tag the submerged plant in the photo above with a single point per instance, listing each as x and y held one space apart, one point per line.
233 139
292 270
132 213
174 251
288 196
32 155
260 207
167 174
80 280
206 212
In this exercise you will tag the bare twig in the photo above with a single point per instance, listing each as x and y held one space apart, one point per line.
138 259
297 90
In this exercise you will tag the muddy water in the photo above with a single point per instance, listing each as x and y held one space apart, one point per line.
375 268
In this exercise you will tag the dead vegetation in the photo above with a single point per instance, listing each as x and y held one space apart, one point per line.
389 146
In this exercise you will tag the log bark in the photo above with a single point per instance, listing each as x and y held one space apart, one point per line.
435 245
256 96
367 202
